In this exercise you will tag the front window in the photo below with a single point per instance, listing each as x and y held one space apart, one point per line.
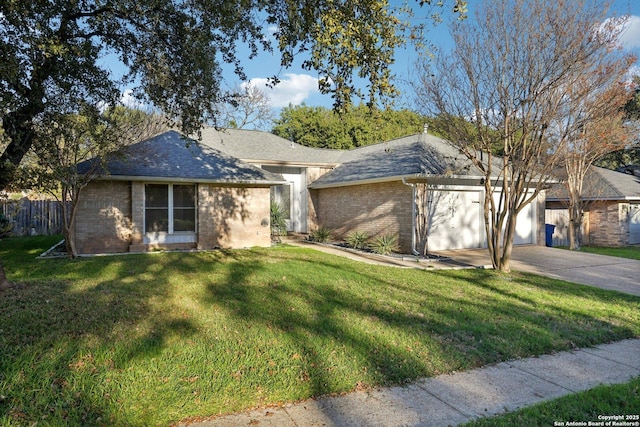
170 208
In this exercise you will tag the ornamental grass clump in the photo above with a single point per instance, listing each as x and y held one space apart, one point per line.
385 244
321 235
357 239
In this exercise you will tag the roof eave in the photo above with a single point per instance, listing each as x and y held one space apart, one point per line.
411 178
262 183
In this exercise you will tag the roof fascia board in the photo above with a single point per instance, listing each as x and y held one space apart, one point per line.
260 183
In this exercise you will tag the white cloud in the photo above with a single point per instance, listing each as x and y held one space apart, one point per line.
129 100
293 89
630 35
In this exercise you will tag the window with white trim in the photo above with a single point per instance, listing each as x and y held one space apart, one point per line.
170 208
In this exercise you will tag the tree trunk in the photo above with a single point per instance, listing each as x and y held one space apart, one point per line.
575 218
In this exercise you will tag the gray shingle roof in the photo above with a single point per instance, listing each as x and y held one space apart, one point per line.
170 157
603 184
416 156
256 146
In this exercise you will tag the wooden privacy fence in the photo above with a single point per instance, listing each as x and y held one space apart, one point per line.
560 219
33 217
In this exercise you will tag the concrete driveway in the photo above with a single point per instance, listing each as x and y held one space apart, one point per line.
605 272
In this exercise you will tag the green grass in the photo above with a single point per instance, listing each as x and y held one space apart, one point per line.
632 252
621 400
156 338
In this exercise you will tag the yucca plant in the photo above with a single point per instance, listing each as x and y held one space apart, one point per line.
357 239
278 221
321 235
385 244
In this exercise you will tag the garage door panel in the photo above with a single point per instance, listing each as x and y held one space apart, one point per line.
634 224
455 220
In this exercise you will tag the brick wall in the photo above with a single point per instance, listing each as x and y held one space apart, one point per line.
376 209
608 227
313 173
231 217
103 219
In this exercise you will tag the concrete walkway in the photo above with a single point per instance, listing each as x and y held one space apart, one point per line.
452 399
457 398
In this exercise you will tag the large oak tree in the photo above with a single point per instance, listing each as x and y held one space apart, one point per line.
54 54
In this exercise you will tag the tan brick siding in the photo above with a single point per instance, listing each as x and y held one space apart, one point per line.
605 222
231 217
376 209
103 219
313 173
606 226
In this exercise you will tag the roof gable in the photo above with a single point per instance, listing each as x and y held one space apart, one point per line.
171 156
602 184
415 156
259 146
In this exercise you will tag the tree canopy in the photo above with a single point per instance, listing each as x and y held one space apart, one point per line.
324 128
54 54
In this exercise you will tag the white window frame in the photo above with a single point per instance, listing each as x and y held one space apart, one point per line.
170 236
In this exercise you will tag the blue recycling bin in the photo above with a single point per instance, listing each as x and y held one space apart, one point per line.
549 229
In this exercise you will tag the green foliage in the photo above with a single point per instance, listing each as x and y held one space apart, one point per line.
278 221
385 244
323 128
321 235
6 226
54 55
357 239
152 339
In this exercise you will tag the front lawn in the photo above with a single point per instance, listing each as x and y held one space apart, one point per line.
156 338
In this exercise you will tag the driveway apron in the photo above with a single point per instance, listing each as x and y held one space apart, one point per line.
603 271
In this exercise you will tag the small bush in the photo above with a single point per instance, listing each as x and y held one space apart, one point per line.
321 235
357 239
6 227
384 245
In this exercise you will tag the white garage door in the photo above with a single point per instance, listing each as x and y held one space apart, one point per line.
455 220
634 224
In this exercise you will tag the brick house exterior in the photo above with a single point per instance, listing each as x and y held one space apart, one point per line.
216 193
230 200
375 209
611 212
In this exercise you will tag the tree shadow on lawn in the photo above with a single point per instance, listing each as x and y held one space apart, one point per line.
63 345
397 331
95 341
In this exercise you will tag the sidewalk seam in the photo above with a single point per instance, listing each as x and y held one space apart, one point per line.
463 413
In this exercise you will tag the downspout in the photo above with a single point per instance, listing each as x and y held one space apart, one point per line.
413 217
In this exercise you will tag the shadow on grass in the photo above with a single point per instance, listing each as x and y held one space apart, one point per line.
155 338
60 340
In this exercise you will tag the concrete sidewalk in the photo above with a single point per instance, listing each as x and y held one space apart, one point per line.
457 398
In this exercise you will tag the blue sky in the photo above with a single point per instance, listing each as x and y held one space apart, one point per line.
298 85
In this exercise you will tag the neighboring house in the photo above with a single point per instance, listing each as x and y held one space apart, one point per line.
611 214
216 193
173 193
